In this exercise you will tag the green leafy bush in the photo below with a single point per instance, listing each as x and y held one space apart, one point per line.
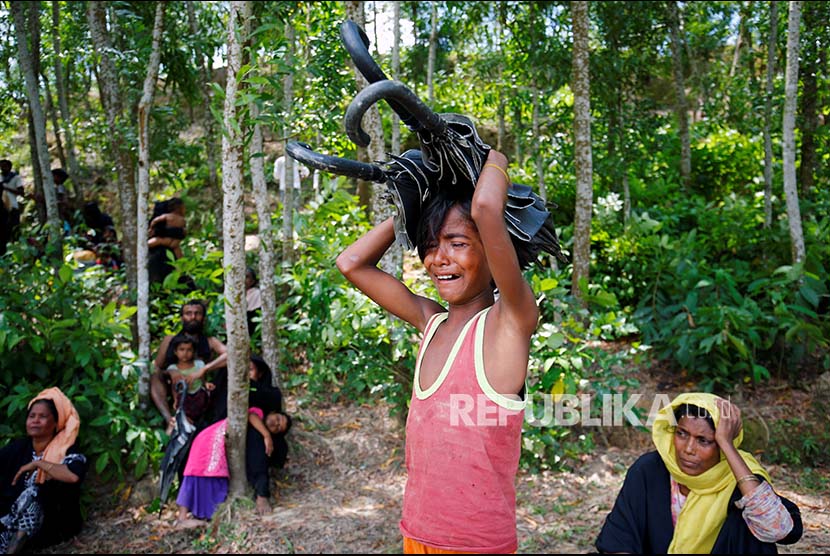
65 327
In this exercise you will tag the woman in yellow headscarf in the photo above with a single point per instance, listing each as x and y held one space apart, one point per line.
698 493
40 477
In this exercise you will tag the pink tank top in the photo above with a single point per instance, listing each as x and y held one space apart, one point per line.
463 441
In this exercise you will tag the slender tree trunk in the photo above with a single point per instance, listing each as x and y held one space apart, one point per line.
518 131
773 39
270 350
288 109
145 106
682 106
809 99
37 177
502 129
582 147
381 206
396 72
27 65
63 104
790 98
234 255
208 121
119 145
354 12
433 50
537 145
53 115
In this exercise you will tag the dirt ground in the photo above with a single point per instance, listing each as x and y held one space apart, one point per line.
342 492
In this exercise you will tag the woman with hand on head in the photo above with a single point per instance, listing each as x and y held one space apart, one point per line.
698 493
41 476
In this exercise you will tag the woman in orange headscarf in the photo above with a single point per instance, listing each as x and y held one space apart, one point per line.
40 477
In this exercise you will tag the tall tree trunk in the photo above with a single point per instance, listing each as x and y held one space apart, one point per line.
208 121
396 72
582 147
288 109
119 144
37 175
354 12
381 206
145 106
681 105
234 255
790 97
433 50
63 104
53 115
27 65
500 38
270 350
771 47
537 145
809 98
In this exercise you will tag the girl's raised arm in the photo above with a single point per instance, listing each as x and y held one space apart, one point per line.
517 304
358 263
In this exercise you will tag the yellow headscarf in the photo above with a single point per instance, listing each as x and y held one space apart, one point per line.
69 423
705 508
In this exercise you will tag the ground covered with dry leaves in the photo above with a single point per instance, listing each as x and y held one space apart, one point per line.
342 492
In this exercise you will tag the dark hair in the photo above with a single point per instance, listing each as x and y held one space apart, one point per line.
433 216
263 369
288 422
198 302
6 162
93 217
174 203
180 339
60 174
693 411
250 270
50 405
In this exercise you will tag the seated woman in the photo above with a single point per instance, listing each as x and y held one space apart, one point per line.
698 494
41 476
257 461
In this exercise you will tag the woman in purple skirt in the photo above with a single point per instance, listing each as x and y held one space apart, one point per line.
205 482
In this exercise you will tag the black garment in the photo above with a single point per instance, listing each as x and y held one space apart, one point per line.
641 522
59 501
269 399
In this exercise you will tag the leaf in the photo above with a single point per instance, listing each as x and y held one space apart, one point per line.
65 274
101 463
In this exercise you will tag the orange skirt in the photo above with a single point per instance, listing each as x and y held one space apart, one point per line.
411 546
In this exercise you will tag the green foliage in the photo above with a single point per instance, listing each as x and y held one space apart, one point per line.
566 357
712 288
342 342
65 327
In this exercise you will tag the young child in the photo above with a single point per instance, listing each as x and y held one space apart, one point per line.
198 393
168 229
463 433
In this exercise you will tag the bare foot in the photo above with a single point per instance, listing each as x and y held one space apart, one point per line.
189 523
262 505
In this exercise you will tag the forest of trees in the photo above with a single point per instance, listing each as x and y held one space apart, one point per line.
684 146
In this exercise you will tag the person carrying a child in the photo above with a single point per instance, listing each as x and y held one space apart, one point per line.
168 229
463 432
185 364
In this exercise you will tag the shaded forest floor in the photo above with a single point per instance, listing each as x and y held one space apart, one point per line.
343 487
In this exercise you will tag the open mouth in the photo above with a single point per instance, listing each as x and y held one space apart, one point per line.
447 277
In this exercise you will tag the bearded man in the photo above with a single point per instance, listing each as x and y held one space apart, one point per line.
208 348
